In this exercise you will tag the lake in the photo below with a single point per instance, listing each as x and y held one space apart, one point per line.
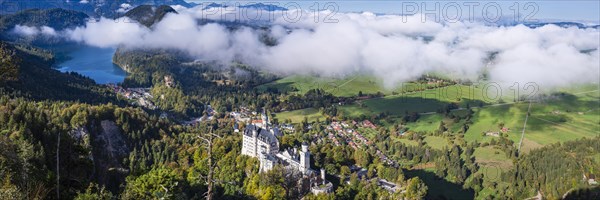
93 62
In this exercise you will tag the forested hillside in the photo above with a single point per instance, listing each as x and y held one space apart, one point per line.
556 169
55 18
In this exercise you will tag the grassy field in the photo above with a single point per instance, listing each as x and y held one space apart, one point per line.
347 86
487 119
491 155
368 132
436 142
432 100
558 119
574 114
406 141
354 111
492 163
430 123
298 115
427 123
567 114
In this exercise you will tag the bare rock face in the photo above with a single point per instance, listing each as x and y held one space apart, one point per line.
113 139
81 136
109 151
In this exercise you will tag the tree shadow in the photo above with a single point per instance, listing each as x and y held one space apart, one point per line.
440 188
585 193
278 87
400 105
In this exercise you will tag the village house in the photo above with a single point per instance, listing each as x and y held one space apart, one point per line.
590 179
493 134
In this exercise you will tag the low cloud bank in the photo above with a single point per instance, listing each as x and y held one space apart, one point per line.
34 31
395 48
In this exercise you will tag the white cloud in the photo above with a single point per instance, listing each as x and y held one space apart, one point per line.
124 8
556 65
34 31
395 48
109 33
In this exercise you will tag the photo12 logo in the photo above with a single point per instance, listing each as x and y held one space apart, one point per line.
289 11
486 93
452 12
286 11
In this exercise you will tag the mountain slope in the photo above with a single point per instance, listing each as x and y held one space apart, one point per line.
55 18
31 75
149 15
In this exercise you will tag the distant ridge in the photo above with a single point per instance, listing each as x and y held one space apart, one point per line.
95 8
560 24
257 6
149 15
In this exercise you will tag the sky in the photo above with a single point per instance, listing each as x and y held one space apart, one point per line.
587 10
395 48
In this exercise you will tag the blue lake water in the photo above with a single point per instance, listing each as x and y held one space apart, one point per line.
95 63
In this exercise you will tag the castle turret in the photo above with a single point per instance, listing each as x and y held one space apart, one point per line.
304 158
323 175
304 147
265 120
324 186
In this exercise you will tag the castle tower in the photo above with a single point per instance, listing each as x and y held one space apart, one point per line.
265 160
323 175
255 143
304 158
265 119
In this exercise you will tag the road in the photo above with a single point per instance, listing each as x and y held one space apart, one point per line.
524 125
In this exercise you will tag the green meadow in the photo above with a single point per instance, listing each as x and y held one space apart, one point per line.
296 116
568 114
344 87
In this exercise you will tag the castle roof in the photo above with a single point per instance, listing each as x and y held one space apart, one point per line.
262 134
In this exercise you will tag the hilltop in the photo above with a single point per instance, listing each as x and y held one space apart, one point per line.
56 18
149 15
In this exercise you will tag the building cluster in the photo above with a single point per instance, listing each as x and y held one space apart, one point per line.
492 133
342 131
385 184
209 115
136 96
369 124
246 116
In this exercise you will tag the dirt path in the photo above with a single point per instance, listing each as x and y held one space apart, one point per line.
524 125
536 197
